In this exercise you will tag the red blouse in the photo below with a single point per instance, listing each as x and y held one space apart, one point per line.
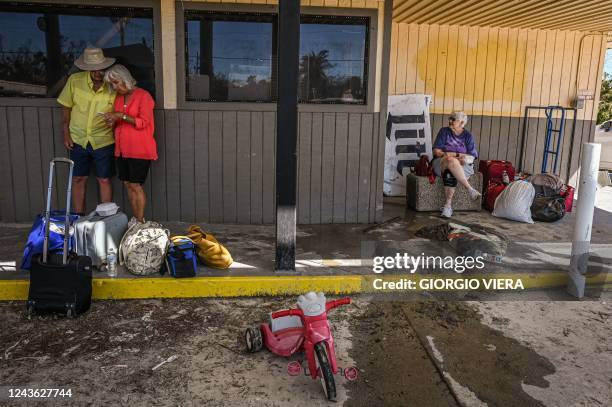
136 141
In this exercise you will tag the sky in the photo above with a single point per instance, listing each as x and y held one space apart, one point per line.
608 62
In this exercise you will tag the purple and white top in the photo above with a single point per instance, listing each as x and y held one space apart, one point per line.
448 141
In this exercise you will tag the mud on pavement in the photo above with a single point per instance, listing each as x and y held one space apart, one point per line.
439 354
189 352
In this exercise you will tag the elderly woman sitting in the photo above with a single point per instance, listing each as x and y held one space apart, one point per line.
135 146
454 153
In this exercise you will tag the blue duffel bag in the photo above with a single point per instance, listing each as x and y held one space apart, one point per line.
181 260
56 236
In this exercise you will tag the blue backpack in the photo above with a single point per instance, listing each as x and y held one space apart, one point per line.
56 236
181 260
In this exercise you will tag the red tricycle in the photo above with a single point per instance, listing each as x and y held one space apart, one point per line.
303 329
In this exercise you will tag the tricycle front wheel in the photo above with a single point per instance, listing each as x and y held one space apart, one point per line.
253 340
324 370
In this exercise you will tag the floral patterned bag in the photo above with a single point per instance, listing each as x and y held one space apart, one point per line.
144 247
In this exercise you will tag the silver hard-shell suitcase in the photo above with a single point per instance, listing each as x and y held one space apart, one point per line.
95 235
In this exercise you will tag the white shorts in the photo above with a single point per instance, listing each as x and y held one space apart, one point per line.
468 169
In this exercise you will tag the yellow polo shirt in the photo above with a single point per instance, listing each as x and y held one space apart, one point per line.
86 125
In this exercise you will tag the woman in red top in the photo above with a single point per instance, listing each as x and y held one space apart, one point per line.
135 146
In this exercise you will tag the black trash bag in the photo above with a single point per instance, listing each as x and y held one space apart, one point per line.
543 190
548 208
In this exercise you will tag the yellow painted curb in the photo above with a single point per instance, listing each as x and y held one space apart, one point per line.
222 286
14 290
135 288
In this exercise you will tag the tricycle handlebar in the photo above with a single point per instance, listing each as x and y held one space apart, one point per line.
287 312
298 312
337 303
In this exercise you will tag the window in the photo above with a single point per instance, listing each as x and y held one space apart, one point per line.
333 59
39 43
229 57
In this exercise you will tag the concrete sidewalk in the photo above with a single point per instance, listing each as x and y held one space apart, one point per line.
332 258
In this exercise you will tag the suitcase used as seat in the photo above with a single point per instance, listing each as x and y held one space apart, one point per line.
59 282
95 235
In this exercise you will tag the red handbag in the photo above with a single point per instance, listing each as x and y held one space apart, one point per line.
425 169
568 195
422 167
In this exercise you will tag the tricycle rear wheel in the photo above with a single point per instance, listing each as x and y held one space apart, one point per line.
253 340
324 370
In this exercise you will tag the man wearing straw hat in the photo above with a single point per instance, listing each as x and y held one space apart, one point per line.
85 99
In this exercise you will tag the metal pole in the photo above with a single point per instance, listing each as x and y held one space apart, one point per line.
587 189
286 136
571 147
520 164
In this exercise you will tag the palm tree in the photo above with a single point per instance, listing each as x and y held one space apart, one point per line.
313 67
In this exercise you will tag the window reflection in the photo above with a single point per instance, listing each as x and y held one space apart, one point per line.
232 57
333 60
39 43
229 57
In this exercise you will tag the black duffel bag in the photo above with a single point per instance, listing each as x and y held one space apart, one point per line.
548 208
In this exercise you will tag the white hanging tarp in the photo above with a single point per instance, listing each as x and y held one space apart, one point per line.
408 137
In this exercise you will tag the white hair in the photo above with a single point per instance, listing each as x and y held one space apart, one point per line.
461 116
120 73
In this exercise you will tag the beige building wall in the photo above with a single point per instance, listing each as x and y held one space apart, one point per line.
492 74
496 71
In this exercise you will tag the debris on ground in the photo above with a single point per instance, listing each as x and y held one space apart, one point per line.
468 240
202 359
163 362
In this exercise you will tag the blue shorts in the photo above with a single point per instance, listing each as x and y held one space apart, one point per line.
102 158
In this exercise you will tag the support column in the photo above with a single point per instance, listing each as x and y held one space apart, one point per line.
581 245
385 20
287 130
168 46
54 51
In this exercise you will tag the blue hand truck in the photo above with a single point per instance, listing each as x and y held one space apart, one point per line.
550 129
550 113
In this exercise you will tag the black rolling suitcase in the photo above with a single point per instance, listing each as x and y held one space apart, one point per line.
59 282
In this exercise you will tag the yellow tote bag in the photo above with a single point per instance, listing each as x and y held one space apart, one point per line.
209 250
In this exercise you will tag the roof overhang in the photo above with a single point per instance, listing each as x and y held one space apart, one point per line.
580 15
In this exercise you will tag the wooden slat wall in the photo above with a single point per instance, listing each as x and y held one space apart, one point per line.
25 171
213 166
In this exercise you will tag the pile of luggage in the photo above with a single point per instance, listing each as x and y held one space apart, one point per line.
540 197
63 250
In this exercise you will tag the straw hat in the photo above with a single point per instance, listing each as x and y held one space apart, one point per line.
93 59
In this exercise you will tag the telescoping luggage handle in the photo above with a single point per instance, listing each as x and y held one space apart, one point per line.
48 208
